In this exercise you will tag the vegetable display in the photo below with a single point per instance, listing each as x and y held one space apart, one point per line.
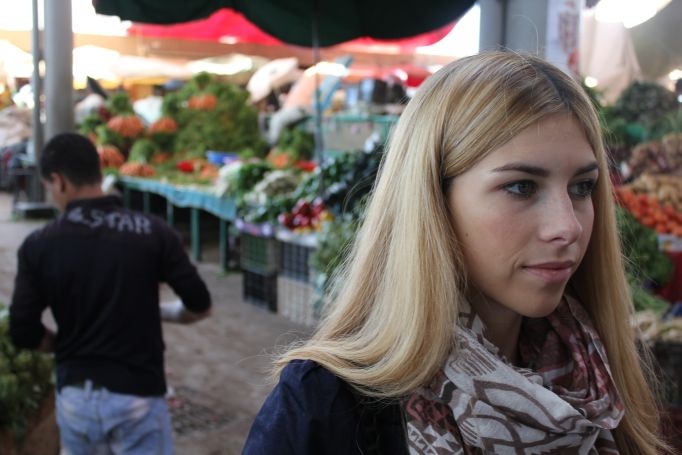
136 169
305 216
25 381
238 178
342 181
142 151
294 145
645 265
110 156
645 103
126 125
663 218
655 157
212 115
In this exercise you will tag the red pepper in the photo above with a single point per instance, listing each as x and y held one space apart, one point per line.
185 166
307 166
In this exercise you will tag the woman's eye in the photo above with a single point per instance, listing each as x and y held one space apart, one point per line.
523 188
583 189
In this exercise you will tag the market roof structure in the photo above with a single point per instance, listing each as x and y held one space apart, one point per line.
306 23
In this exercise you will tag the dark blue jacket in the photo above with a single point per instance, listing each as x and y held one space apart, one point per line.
311 411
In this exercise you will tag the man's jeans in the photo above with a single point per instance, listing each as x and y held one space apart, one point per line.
103 422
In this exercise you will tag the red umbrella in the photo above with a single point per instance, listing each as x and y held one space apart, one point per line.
229 25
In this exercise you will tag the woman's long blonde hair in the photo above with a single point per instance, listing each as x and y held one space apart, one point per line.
391 325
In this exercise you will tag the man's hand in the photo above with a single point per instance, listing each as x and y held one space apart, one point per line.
176 312
47 344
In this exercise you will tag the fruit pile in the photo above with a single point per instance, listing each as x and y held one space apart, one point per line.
663 218
666 189
110 156
305 216
137 169
655 157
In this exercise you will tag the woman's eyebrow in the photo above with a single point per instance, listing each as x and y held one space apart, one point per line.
539 171
589 168
521 167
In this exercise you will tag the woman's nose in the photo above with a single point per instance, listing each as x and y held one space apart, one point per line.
560 221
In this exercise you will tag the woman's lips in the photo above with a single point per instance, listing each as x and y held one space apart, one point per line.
552 272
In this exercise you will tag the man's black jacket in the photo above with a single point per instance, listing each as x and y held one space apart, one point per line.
98 267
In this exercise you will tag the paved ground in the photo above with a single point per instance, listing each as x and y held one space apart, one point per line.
217 368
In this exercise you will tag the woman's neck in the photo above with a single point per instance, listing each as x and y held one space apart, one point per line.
502 326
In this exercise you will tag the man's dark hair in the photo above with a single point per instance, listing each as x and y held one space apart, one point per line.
72 156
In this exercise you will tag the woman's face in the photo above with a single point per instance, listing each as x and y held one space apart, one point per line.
523 216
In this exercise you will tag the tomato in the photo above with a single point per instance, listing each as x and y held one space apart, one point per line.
301 220
286 220
318 206
307 166
185 166
302 207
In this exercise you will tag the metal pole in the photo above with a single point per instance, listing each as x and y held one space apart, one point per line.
319 145
59 107
37 191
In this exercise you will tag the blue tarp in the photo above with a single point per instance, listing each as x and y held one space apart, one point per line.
185 196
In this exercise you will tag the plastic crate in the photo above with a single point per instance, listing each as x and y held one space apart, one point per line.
260 289
671 423
296 301
257 253
669 358
294 261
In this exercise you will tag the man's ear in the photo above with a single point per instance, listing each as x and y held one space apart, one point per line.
58 182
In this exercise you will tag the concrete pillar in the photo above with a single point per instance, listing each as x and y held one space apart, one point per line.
526 25
548 28
37 190
59 107
492 27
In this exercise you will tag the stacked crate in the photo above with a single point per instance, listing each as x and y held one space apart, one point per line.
258 259
295 278
668 356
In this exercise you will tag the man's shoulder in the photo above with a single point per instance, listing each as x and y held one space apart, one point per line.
44 232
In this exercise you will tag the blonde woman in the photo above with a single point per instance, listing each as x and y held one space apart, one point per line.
484 307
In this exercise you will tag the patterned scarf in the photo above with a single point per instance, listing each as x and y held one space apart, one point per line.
565 402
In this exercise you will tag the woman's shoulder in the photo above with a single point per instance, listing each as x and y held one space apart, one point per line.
317 386
309 370
311 410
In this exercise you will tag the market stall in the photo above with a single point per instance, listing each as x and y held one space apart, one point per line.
644 137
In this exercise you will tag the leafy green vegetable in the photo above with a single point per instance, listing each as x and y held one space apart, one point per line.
646 266
644 300
107 136
142 151
164 141
343 180
297 143
333 243
171 106
119 103
231 126
268 211
645 103
645 263
25 381
248 175
90 123
670 123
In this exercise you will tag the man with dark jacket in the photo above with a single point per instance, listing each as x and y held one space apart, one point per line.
98 268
